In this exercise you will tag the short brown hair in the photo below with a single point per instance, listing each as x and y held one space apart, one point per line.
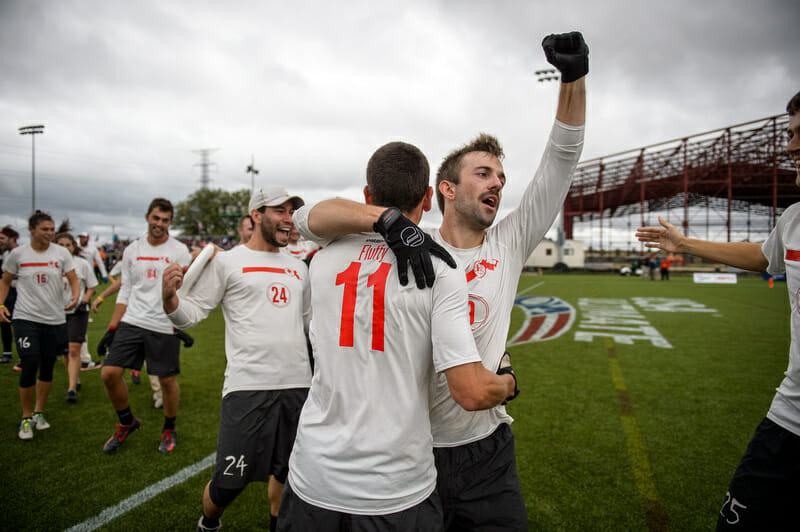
794 105
451 165
398 176
161 204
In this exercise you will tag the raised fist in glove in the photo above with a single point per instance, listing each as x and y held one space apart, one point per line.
411 244
506 369
568 53
105 342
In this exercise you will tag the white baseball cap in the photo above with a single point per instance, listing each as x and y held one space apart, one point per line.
273 197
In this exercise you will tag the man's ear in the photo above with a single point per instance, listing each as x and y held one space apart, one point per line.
447 189
426 201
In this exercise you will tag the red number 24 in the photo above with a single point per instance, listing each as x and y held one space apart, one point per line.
349 278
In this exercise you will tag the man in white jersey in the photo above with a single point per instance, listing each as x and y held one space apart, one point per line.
141 330
765 488
90 252
300 248
474 451
362 459
266 303
245 229
8 241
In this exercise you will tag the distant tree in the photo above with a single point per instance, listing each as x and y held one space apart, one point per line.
211 212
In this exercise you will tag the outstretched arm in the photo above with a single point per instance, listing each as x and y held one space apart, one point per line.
745 255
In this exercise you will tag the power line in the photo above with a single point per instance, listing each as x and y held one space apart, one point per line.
204 165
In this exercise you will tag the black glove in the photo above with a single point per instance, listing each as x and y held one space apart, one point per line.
506 369
410 244
105 342
569 53
187 340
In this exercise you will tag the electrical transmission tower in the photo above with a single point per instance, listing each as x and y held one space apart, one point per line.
204 165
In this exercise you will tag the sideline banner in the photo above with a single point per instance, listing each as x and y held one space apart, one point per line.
720 278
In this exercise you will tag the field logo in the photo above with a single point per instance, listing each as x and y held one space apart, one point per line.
546 317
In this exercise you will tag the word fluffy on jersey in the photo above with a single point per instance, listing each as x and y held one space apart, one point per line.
370 252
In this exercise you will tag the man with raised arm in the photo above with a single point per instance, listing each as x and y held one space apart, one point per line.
474 451
363 455
766 485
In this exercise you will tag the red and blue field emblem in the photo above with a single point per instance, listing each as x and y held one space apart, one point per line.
546 317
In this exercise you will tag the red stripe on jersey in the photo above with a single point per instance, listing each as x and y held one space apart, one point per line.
267 269
792 254
34 264
165 259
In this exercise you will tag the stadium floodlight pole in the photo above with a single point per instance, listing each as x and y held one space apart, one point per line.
32 131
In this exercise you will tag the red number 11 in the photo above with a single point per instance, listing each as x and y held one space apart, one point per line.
349 278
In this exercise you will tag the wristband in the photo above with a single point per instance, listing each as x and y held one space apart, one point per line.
112 328
2 306
100 299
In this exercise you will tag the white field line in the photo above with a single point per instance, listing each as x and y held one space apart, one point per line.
540 283
109 514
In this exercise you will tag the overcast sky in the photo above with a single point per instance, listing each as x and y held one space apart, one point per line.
128 91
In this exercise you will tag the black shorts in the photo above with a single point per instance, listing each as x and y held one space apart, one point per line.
256 435
298 515
478 484
132 346
77 324
39 340
766 485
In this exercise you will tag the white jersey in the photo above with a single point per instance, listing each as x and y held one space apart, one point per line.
142 265
40 294
92 256
493 271
266 303
301 249
86 279
5 255
364 442
782 250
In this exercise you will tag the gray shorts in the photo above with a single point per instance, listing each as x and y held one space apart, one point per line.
256 435
298 515
478 484
132 346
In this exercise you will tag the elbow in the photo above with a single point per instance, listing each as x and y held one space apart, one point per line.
471 401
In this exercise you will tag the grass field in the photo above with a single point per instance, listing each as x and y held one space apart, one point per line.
609 436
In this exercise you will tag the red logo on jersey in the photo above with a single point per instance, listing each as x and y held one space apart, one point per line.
481 267
478 311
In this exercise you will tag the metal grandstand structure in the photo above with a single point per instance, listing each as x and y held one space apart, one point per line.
738 173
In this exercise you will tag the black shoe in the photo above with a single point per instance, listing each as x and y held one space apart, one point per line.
72 396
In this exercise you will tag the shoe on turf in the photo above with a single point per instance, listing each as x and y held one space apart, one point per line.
123 431
91 365
158 402
202 528
72 396
136 376
26 429
40 421
168 440
18 366
6 358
